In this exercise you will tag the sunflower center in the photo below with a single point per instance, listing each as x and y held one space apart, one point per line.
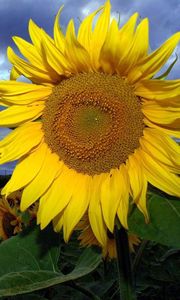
93 122
88 120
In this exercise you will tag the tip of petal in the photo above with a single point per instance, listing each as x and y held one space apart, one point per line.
56 23
66 235
31 22
42 226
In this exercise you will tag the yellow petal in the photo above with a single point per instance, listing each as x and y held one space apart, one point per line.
99 35
138 49
75 52
59 37
15 74
85 31
20 141
95 210
123 208
138 183
126 37
160 115
36 33
169 104
55 58
21 93
16 115
159 176
110 197
162 148
26 170
57 197
170 129
110 51
58 222
4 105
77 206
30 52
128 28
34 190
32 72
158 89
151 64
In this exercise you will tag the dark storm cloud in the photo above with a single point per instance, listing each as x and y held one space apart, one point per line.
15 15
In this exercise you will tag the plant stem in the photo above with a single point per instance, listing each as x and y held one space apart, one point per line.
139 256
126 282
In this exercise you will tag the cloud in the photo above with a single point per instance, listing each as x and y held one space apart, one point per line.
5 67
88 8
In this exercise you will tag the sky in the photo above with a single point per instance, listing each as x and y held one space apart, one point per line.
163 17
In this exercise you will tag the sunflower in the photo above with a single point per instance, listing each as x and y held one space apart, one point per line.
11 218
94 126
87 239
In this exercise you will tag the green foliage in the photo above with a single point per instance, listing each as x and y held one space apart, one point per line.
157 277
164 225
158 273
30 261
38 265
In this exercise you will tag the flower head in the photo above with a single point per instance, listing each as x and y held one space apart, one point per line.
87 239
94 126
11 218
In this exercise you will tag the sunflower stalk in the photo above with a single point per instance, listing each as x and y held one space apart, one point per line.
126 281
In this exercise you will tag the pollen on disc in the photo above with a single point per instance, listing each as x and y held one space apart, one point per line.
93 122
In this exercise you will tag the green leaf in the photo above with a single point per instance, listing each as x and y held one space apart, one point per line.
29 262
164 222
27 297
166 73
